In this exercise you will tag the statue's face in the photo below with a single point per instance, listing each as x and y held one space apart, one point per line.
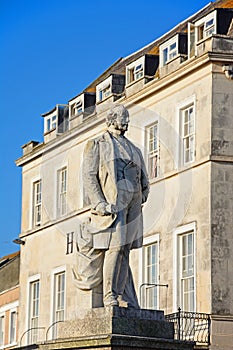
121 123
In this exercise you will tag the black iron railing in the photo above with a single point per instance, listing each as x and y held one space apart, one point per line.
191 326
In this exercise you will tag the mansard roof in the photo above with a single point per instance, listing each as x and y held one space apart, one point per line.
152 48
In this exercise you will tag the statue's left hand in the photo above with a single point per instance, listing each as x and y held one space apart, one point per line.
105 208
111 208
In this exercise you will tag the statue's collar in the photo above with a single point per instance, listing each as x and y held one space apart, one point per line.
115 133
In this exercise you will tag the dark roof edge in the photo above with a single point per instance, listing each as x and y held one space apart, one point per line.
83 92
47 113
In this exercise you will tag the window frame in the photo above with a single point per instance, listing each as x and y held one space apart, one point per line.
171 53
5 311
62 194
32 280
50 122
59 296
188 137
3 329
12 311
36 205
104 90
154 153
104 93
56 272
77 108
178 233
187 103
148 241
135 70
201 29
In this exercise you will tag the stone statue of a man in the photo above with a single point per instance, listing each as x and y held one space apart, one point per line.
116 182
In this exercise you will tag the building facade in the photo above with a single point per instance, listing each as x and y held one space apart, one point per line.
9 300
179 93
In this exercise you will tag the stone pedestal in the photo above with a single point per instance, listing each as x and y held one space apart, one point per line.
116 320
116 328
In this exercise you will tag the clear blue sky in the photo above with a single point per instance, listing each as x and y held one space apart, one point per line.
50 51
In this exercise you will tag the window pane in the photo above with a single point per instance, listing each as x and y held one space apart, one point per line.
165 56
209 23
106 92
48 125
153 254
190 243
186 129
173 46
138 67
54 122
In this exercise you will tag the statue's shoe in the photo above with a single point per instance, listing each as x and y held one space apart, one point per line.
111 301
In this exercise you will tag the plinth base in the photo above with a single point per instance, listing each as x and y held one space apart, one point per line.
117 320
118 342
116 328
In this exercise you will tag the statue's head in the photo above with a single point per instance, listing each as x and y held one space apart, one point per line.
118 118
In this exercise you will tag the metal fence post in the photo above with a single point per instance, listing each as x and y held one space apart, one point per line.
179 312
209 321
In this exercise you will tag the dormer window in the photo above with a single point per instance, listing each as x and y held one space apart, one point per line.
139 72
56 119
170 49
201 30
105 92
135 70
169 52
206 26
109 90
51 123
77 108
81 106
104 89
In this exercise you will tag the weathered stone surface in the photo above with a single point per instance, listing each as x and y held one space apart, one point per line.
117 320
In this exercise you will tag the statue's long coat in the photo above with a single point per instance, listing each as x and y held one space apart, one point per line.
100 183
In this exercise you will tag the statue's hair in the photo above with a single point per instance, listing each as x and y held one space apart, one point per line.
114 112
